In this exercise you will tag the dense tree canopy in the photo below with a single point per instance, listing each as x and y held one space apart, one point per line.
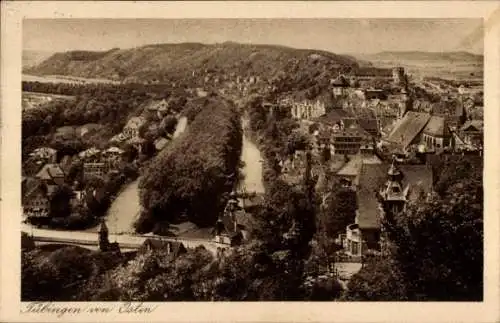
192 175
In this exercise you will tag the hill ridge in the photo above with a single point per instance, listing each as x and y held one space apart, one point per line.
154 61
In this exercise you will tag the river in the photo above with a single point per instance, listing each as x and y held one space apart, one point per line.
126 207
252 171
124 210
181 126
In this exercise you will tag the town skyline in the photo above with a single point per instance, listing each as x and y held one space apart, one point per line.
333 35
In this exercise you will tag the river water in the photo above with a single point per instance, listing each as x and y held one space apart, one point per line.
126 207
181 126
252 171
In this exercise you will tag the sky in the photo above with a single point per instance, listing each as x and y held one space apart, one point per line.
361 36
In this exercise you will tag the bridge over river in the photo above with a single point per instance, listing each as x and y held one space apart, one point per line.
127 242
125 208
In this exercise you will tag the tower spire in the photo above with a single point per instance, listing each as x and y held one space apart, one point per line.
103 236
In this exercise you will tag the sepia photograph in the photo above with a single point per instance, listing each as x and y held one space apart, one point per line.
300 159
252 160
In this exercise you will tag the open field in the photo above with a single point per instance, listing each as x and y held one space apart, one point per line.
65 79
31 100
442 69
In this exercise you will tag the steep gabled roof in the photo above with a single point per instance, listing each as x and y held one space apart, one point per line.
31 186
478 125
340 82
408 128
50 171
368 124
371 178
418 177
352 168
437 126
334 116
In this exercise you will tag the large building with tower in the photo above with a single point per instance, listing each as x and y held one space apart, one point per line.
383 192
398 75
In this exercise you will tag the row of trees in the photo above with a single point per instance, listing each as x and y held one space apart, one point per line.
192 176
287 219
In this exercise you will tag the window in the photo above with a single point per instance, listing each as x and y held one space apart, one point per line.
395 189
354 248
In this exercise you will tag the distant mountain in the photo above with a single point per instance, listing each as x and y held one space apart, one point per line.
450 65
425 56
162 61
34 57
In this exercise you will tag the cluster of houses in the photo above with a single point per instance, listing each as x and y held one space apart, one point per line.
232 226
43 175
359 145
382 191
130 135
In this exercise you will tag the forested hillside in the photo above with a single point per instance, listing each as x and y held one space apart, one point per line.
164 62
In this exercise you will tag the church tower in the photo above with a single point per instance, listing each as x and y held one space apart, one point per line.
103 237
393 195
406 103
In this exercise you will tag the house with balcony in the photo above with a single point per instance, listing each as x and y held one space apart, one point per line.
94 169
348 141
35 198
383 191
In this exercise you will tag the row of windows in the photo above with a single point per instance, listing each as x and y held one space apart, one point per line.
431 141
346 146
346 152
39 202
347 139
